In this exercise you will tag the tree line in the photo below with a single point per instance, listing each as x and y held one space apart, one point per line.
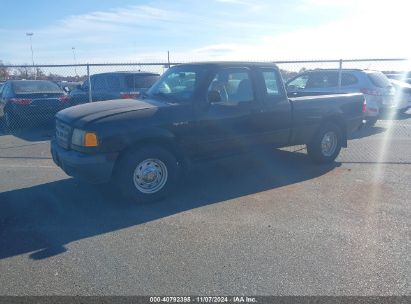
27 72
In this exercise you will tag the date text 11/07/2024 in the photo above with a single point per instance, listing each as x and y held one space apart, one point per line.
199 299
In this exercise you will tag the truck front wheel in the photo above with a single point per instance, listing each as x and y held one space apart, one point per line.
326 144
147 174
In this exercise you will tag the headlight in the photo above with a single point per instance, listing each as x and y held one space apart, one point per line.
84 138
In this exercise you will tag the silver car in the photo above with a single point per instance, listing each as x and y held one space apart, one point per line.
376 87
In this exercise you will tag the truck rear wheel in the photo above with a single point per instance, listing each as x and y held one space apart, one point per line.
147 174
326 144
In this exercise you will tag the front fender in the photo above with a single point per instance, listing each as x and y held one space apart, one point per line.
119 142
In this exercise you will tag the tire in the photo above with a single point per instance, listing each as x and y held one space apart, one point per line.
371 122
328 136
147 174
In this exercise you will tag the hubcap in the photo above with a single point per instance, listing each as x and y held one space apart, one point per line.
329 144
150 176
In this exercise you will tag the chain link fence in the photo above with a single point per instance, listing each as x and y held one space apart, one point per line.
69 85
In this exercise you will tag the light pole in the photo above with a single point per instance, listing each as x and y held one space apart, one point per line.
75 60
30 35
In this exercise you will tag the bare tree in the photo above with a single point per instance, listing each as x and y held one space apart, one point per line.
4 71
23 73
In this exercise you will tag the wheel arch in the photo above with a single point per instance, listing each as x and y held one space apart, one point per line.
338 120
164 140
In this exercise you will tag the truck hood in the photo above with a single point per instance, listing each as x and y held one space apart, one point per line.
82 114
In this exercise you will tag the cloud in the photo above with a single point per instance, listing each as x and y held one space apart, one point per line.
347 29
369 30
253 5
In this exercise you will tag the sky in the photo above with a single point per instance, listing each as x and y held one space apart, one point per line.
143 31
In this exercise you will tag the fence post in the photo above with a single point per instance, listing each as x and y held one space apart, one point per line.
90 99
340 75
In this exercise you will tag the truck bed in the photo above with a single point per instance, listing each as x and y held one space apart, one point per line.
308 113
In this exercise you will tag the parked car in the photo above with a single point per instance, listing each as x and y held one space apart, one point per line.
27 100
196 111
402 76
69 86
375 86
402 96
114 85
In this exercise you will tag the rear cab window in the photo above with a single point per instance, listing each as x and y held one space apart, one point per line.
273 84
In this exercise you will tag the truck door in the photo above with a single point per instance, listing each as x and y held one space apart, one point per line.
229 123
274 119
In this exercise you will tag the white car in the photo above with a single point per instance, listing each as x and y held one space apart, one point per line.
402 99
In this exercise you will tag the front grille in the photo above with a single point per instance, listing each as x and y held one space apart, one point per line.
63 133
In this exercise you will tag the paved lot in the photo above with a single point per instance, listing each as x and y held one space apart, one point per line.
271 223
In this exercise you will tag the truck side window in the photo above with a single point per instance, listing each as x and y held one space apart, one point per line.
233 85
271 81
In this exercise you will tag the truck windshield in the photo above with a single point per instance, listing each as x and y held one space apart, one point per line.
178 84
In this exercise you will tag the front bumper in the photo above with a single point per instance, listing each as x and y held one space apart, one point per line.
92 168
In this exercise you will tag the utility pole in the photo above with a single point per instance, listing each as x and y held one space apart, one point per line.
30 35
168 58
75 60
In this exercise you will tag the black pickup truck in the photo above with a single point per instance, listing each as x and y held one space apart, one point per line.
197 111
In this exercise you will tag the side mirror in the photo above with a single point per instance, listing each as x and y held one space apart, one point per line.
214 97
